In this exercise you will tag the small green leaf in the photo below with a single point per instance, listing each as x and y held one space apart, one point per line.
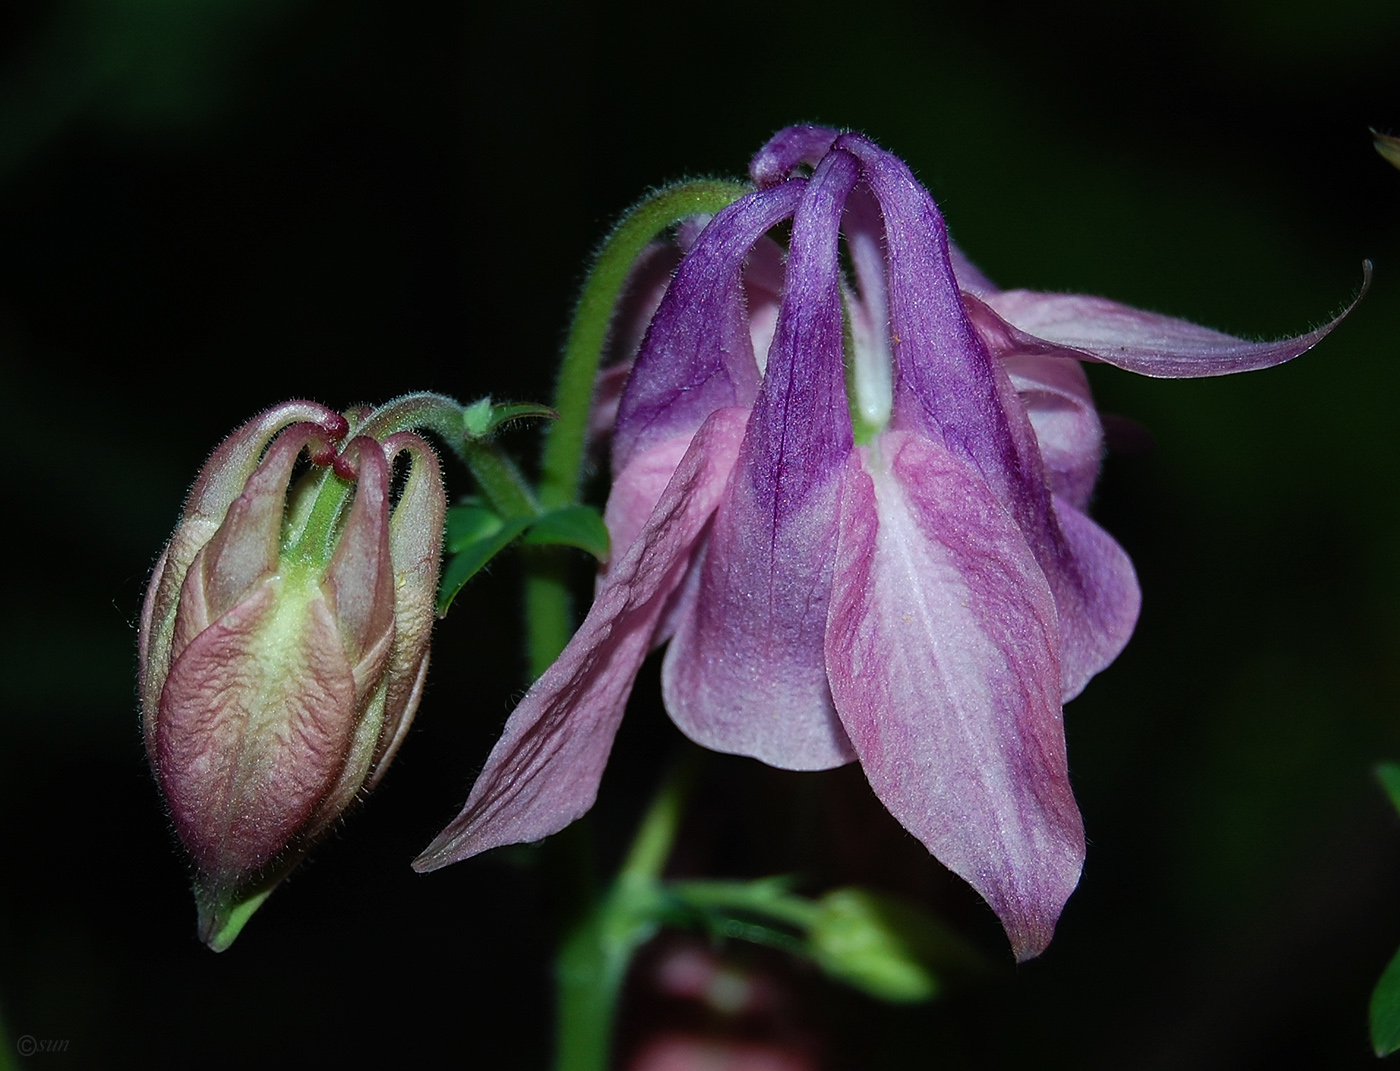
482 417
876 944
1385 1010
1388 774
473 554
468 523
476 418
573 526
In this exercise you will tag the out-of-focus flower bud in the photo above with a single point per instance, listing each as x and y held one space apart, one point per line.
284 643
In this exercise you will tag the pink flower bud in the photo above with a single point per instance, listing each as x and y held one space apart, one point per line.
283 645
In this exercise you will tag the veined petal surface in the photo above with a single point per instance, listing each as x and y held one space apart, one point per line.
941 648
544 771
745 672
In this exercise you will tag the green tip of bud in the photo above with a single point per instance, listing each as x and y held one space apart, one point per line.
222 916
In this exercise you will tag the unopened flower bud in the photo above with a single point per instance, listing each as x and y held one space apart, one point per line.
283 645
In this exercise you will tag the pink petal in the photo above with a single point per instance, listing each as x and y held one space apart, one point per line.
941 650
1099 603
1056 397
249 737
544 771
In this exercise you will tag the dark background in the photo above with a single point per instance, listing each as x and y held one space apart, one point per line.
207 206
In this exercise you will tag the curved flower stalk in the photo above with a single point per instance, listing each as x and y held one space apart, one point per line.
284 643
864 540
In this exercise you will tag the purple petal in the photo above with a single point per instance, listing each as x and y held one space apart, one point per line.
646 285
698 356
1097 329
544 771
941 653
745 673
949 388
786 149
944 380
1056 397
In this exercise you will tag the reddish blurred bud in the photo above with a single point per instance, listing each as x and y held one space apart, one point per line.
283 645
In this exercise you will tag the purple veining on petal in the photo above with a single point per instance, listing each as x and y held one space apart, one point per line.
544 771
948 386
942 653
697 355
745 672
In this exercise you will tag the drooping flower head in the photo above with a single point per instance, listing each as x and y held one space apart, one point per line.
284 643
854 506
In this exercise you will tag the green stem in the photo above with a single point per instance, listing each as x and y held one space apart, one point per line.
499 480
438 413
496 475
593 960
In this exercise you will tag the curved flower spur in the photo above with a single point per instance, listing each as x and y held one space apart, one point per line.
866 539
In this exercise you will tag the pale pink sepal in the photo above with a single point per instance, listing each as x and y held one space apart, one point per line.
544 771
1096 329
942 653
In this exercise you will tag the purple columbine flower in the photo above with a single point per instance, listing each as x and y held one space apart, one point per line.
864 540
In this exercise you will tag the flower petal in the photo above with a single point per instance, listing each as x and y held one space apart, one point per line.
254 723
415 547
949 388
1097 593
786 149
220 483
941 649
544 771
1097 329
698 356
1055 394
745 673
